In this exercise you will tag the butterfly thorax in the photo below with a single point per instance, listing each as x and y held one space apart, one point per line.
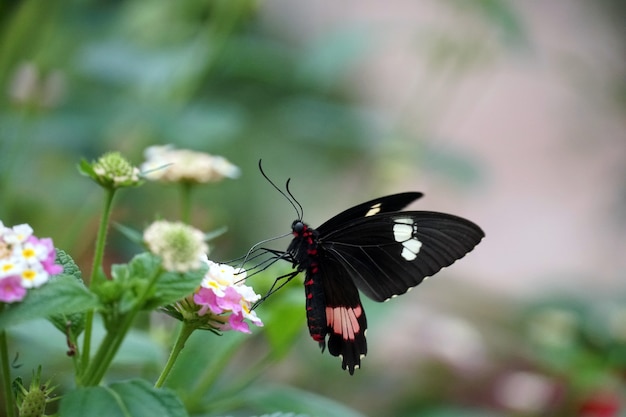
303 248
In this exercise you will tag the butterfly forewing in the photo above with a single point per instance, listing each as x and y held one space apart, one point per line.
380 205
387 254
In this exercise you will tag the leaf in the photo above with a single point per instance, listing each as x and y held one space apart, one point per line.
284 321
279 414
122 399
68 264
85 168
131 234
168 288
172 287
63 294
72 322
278 397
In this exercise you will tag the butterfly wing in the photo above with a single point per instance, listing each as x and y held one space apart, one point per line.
344 316
390 203
388 253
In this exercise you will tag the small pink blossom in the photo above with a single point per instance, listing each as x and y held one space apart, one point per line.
223 292
49 261
235 321
11 289
206 298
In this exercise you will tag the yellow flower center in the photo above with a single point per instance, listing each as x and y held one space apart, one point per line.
29 274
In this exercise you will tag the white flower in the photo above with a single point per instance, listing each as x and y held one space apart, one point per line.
17 234
34 276
221 276
167 164
11 266
181 247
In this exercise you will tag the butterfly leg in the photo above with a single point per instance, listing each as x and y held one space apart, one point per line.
275 286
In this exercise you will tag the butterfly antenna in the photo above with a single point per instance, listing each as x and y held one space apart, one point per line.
301 216
287 195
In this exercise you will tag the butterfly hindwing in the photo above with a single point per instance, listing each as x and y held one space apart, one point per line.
387 254
345 317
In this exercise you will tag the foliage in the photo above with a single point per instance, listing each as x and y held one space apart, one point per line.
81 78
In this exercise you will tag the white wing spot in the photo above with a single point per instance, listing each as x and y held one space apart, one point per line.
373 210
404 231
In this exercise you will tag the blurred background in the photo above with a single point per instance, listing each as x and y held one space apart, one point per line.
511 114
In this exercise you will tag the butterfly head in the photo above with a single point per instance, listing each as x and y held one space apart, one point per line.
298 227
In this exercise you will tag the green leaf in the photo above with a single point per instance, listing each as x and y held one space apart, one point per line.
122 399
86 169
278 397
172 287
284 320
73 323
131 234
279 414
62 295
68 264
169 287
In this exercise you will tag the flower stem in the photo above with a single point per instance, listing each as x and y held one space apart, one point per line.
95 272
185 202
114 338
185 331
9 398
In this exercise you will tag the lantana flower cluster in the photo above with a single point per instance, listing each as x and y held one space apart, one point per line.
26 262
222 292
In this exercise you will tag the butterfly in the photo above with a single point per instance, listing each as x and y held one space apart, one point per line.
374 248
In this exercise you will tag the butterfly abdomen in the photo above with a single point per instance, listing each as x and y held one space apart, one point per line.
303 249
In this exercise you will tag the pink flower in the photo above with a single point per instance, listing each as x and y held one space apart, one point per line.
236 323
11 289
206 298
49 262
222 292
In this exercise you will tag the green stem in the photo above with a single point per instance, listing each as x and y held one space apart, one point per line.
185 202
185 331
9 398
114 338
95 275
101 238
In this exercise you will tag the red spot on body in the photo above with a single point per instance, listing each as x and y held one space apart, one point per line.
309 282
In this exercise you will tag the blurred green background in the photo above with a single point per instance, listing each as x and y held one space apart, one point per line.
510 114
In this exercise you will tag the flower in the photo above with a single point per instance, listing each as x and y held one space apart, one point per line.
223 291
25 262
11 289
167 164
111 170
181 247
222 302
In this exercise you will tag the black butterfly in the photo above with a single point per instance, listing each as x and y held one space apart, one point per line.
377 249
